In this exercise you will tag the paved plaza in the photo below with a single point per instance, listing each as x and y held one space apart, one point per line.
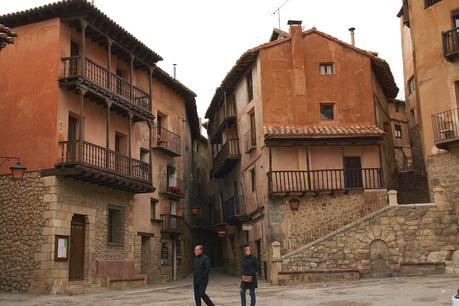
433 290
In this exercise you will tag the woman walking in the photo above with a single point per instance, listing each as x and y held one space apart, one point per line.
249 271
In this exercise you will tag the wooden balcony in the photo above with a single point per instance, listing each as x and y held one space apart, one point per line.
172 224
446 128
223 118
171 187
98 165
234 210
226 158
166 142
301 182
451 44
103 84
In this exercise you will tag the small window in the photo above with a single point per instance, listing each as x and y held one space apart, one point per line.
144 155
398 131
74 49
253 179
386 126
411 85
249 86
397 107
115 224
253 133
326 68
412 117
153 210
327 112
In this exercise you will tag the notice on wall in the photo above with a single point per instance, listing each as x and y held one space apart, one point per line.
61 248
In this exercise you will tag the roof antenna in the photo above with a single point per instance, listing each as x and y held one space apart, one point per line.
175 71
277 11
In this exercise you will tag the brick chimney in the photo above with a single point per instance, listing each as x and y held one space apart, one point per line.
296 35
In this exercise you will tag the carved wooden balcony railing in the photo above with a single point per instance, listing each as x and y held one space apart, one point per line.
101 77
172 224
224 116
226 158
171 186
446 128
451 44
166 141
103 166
284 182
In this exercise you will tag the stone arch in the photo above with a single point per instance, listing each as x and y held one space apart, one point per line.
379 258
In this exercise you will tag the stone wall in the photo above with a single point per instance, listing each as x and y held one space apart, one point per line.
399 236
443 170
295 228
21 223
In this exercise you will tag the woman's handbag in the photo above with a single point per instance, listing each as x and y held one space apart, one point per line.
247 278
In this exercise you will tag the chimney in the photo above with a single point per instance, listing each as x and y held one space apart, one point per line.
297 43
175 71
352 30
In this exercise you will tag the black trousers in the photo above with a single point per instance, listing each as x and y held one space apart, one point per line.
200 293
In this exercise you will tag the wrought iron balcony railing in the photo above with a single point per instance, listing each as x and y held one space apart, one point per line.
172 224
446 128
325 180
166 141
171 186
100 76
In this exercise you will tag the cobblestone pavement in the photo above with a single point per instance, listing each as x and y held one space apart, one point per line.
224 290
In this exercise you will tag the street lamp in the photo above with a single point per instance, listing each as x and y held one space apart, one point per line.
17 170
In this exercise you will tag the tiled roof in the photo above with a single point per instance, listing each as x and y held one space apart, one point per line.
6 36
320 132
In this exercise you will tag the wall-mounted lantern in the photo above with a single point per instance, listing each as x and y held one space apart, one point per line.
17 170
195 210
222 231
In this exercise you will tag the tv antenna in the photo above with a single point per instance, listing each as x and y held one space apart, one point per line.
277 11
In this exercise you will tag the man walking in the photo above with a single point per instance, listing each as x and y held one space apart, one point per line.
201 269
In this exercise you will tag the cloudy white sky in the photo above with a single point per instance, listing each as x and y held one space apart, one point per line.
205 37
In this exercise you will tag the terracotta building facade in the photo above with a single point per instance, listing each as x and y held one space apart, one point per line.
300 134
107 137
431 74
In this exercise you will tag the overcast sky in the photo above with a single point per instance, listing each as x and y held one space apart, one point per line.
205 37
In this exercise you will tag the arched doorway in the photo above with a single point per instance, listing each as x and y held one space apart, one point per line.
379 258
77 238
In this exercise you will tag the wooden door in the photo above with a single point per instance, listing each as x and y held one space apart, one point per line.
72 136
76 258
352 172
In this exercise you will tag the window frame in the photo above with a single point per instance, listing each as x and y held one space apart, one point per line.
398 130
332 108
110 229
327 66
249 84
253 182
411 85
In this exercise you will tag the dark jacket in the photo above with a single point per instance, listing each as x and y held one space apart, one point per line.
201 269
250 266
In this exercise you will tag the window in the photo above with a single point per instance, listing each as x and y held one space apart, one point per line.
326 68
397 107
249 86
411 85
115 226
153 203
144 155
164 253
327 112
253 132
412 117
74 49
429 3
252 179
398 131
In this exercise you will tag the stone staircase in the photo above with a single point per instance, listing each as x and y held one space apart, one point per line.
413 188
